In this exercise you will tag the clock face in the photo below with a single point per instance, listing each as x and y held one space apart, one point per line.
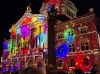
62 51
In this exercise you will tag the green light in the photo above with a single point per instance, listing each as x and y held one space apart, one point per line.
11 45
69 35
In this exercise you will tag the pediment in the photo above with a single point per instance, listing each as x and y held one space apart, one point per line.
26 18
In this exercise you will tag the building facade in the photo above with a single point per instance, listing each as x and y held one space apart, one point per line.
57 36
77 44
27 43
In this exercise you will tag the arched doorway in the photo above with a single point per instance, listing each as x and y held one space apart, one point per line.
22 65
30 63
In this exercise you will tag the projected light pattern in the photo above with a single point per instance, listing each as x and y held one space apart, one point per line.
18 66
42 39
19 31
5 45
11 68
26 37
69 35
25 31
3 70
62 50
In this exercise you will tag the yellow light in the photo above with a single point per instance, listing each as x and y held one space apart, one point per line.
80 24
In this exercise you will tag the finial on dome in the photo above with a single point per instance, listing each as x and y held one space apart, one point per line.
29 8
91 10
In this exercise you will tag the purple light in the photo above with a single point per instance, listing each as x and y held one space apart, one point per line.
45 28
6 53
18 66
11 69
25 31
3 69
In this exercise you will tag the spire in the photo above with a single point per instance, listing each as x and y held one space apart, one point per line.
29 8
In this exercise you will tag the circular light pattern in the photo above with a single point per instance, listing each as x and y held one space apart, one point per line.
69 35
62 50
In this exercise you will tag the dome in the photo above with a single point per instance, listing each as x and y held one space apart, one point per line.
71 5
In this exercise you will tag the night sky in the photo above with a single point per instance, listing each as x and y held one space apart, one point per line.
12 10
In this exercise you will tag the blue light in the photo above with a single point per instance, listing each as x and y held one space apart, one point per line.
11 69
42 39
70 39
5 45
49 7
89 52
40 18
62 51
6 53
96 58
3 70
80 36
79 28
18 31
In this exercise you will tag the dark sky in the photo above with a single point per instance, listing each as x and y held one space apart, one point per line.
12 10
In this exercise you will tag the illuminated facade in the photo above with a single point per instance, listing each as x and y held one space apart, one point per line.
66 45
77 44
28 42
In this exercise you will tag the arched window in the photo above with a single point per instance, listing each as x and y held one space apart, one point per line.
30 64
85 29
72 62
81 30
60 63
22 65
69 33
82 46
86 44
61 35
72 33
73 48
86 62
60 50
70 48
